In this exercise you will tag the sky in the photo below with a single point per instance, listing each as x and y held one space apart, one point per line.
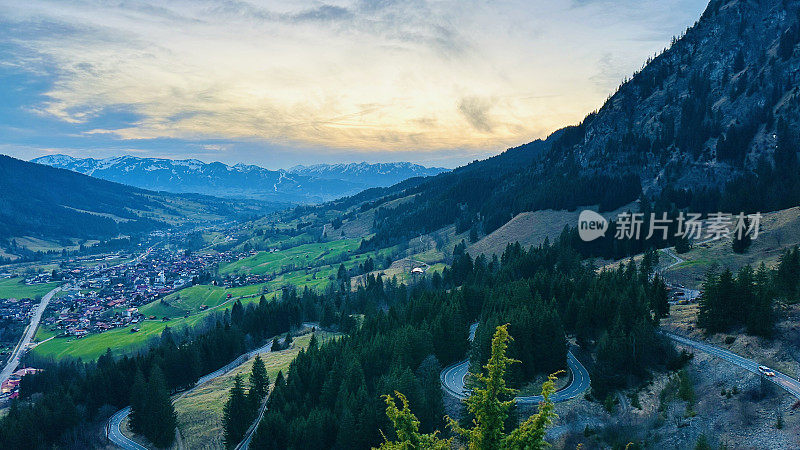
277 83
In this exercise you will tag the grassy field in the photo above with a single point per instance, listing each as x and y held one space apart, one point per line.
531 228
44 332
262 242
200 411
189 301
40 245
306 255
16 288
120 340
110 261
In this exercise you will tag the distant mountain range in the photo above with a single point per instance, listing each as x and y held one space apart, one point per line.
51 203
301 184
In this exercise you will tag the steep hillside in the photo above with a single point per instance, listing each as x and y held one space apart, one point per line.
532 228
300 184
708 108
708 124
45 202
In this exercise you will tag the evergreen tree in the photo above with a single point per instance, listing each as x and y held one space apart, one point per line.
406 426
237 313
659 298
490 401
287 341
236 414
682 245
162 420
432 410
745 299
531 433
259 381
702 443
138 400
488 405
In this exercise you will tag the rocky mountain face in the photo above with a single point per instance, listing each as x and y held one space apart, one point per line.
299 184
707 109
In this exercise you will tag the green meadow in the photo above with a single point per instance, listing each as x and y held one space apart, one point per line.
120 340
16 288
305 255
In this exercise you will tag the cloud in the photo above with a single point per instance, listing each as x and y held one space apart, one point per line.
476 111
354 75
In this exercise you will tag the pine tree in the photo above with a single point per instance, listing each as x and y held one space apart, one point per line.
237 313
489 407
491 400
406 426
702 443
259 381
161 429
530 433
236 414
432 412
287 341
139 413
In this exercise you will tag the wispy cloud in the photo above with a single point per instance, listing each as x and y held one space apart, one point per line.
363 75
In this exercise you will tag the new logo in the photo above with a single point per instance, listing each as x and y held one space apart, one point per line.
591 225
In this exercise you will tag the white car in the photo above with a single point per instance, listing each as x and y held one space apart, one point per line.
766 371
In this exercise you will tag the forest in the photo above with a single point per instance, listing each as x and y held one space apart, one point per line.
331 397
748 298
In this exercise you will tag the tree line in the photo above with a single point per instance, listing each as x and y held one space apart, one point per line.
748 298
242 405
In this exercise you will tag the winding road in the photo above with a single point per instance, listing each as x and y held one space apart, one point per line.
113 428
453 379
115 434
27 336
784 381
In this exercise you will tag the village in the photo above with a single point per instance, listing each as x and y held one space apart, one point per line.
102 296
102 299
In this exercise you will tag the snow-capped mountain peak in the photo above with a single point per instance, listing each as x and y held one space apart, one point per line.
301 184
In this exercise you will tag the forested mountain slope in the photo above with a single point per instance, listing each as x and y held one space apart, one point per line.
47 202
